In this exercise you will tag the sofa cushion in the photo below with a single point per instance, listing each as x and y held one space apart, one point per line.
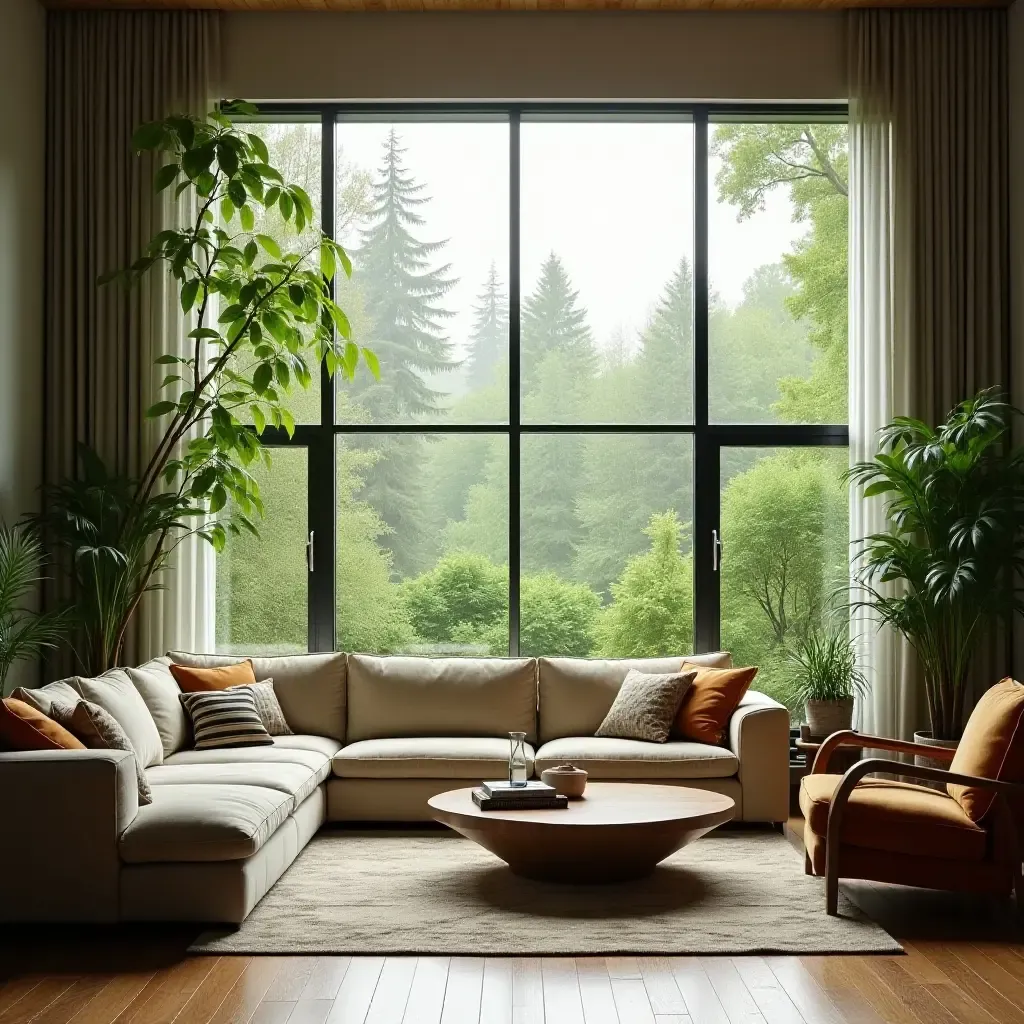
310 687
320 744
116 694
317 760
160 691
203 823
219 677
606 758
430 757
992 747
42 698
440 697
576 693
297 780
895 817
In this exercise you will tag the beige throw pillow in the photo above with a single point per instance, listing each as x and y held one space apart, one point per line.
646 706
116 694
99 730
269 708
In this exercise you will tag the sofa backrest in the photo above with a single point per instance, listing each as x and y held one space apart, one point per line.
440 697
576 693
311 688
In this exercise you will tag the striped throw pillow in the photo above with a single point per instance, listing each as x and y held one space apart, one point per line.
225 718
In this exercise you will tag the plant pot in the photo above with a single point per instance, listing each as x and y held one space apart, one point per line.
825 717
923 761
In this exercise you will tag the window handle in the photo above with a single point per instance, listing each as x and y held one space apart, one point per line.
716 551
309 552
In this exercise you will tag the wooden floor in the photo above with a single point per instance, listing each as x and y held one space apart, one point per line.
964 964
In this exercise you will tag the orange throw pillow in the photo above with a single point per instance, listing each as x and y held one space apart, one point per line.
992 747
193 680
24 728
710 701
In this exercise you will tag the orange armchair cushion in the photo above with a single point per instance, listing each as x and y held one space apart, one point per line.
193 680
992 746
22 727
709 702
895 817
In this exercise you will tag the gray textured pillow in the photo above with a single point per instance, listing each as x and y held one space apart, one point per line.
99 730
646 706
269 708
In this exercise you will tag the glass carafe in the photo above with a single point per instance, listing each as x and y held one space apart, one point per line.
517 768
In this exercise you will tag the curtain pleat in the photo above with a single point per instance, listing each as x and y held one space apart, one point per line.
109 72
929 266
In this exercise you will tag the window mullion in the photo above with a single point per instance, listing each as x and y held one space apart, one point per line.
514 403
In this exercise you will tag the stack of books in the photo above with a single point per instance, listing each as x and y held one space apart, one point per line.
503 796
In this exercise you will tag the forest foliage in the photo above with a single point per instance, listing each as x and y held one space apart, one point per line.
606 551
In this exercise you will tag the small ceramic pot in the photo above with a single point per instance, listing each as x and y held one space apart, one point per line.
828 716
565 779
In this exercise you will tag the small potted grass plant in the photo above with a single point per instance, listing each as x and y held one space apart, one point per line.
827 678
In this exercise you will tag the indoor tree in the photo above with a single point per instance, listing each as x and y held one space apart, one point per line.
264 320
954 544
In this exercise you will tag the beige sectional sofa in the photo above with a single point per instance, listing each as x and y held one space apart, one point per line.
374 739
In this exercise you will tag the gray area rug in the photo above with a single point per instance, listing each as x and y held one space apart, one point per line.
732 892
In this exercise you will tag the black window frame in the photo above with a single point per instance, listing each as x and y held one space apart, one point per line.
708 438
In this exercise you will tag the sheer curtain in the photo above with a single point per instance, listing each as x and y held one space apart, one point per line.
928 265
107 73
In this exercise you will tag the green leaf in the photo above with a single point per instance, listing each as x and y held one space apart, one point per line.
328 264
204 332
283 373
370 358
288 422
218 499
296 294
165 176
258 419
259 148
149 136
168 360
262 377
160 409
227 158
248 218
189 292
237 192
227 209
271 246
286 205
231 314
251 249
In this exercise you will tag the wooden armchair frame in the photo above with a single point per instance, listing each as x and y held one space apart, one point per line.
1008 847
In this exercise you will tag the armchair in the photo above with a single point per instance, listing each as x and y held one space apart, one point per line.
964 838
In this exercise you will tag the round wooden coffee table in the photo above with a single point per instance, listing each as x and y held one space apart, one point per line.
616 832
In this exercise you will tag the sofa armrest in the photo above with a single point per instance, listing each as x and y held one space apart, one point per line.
759 737
63 813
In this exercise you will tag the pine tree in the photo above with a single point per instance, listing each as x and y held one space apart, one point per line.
553 322
402 298
402 295
489 338
666 358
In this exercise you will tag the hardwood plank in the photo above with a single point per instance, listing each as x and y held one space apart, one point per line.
114 997
392 993
631 1002
833 977
273 1011
623 967
292 979
206 1000
527 991
698 993
807 995
248 991
356 991
17 988
958 971
1000 967
596 990
74 999
311 1011
662 990
738 1003
776 1007
326 977
162 1000
37 999
462 996
496 998
671 1018
562 1001
426 997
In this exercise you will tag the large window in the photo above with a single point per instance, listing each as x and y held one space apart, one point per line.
611 413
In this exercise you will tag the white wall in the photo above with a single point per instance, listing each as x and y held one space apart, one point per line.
738 55
1017 245
22 77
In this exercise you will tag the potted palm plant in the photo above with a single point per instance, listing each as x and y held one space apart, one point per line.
827 678
23 632
953 547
